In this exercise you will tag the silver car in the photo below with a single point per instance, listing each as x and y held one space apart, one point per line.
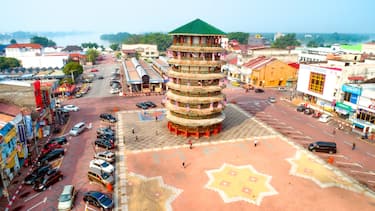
77 129
106 156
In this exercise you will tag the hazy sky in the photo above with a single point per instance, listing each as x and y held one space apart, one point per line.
136 16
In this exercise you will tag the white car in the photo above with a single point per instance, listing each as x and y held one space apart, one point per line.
324 118
77 129
106 156
102 166
272 99
71 108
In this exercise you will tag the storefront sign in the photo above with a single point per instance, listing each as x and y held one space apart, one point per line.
351 89
344 106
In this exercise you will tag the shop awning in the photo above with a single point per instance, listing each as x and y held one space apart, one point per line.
342 106
358 125
341 111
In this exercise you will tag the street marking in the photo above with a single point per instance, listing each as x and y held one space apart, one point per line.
353 164
31 197
37 204
370 154
363 172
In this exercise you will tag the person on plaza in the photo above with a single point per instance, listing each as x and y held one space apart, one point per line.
353 147
183 165
133 130
255 143
191 144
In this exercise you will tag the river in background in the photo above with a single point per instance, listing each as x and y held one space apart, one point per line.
72 39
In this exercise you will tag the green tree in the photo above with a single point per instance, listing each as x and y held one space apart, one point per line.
91 55
163 41
114 46
73 69
89 45
312 43
115 38
241 37
43 41
286 41
13 41
8 62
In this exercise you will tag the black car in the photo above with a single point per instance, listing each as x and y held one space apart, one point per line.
108 117
301 108
150 104
108 144
58 140
258 90
105 130
36 174
52 176
54 154
110 137
98 199
323 146
100 77
142 105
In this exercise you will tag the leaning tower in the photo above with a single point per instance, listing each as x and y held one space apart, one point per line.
194 100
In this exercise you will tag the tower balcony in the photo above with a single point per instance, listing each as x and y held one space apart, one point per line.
195 62
195 76
195 100
194 112
196 48
193 89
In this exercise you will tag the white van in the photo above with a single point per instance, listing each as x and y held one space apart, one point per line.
77 129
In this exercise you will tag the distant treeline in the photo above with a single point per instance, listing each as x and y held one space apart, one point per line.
27 35
115 38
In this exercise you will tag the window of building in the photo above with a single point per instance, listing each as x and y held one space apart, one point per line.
366 115
347 96
317 82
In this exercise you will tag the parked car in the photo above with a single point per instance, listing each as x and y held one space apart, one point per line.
52 176
102 166
37 173
323 146
308 111
77 129
114 91
66 199
110 137
106 156
71 108
58 140
142 105
324 118
104 143
272 99
301 108
258 90
282 89
78 95
98 199
105 130
100 77
94 70
54 154
48 147
150 104
108 117
100 177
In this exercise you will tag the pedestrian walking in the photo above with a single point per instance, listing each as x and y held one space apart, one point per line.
183 165
136 138
353 147
191 144
156 118
133 130
255 143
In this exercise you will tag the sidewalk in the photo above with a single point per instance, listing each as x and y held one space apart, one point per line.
15 188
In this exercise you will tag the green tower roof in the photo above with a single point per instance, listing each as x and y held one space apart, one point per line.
197 27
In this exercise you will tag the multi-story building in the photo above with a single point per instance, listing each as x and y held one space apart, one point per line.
195 102
267 72
144 50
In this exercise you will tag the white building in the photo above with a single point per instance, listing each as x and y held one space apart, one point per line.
33 55
145 50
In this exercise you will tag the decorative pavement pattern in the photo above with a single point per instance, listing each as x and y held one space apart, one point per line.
309 166
236 183
150 193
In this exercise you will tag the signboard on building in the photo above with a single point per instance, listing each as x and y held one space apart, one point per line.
351 89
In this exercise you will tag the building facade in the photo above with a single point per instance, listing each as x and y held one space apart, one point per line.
195 102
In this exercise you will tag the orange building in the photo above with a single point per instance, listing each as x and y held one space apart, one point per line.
268 72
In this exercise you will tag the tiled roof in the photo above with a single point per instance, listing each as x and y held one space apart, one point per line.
258 62
197 27
25 45
71 48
